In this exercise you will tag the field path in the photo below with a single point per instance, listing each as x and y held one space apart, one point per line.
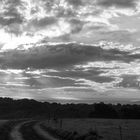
25 130
31 131
43 133
15 134
7 129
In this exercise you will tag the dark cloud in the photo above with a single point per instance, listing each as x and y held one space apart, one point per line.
130 81
10 17
14 29
117 3
76 25
97 26
92 75
64 38
37 24
48 82
75 2
60 55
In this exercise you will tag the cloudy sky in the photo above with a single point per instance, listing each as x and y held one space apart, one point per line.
70 50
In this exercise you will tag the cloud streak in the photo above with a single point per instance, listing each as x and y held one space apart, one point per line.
118 3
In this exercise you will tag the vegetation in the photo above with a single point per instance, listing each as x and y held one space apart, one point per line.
109 129
25 108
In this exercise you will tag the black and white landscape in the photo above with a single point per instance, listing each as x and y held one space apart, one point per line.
67 59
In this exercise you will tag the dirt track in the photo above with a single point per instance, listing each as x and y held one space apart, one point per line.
37 130
24 130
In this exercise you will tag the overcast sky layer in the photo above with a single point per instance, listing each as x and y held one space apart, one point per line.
70 50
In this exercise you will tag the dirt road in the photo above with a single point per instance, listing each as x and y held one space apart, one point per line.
24 130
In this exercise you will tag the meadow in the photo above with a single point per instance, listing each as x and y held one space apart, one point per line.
2 122
110 129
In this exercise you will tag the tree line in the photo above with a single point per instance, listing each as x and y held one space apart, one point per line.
26 108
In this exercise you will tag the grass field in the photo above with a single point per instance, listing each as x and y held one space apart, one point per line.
109 129
2 122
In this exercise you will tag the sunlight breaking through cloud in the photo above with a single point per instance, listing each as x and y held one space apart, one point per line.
70 49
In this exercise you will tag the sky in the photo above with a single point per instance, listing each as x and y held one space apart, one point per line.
70 50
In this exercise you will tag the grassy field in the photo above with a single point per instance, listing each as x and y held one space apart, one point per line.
2 122
109 129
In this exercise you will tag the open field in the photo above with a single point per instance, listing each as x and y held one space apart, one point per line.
2 122
70 129
110 129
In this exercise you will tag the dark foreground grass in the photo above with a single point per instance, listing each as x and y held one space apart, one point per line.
110 129
62 134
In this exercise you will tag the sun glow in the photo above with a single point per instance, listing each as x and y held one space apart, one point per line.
12 42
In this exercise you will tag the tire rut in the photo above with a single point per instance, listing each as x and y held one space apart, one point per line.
28 132
15 132
45 134
6 129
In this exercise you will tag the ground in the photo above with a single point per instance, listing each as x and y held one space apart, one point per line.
109 129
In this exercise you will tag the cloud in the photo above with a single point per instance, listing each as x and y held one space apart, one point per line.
96 76
130 81
93 75
59 55
75 2
118 3
127 74
15 29
65 13
38 24
10 17
76 25
105 34
44 79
